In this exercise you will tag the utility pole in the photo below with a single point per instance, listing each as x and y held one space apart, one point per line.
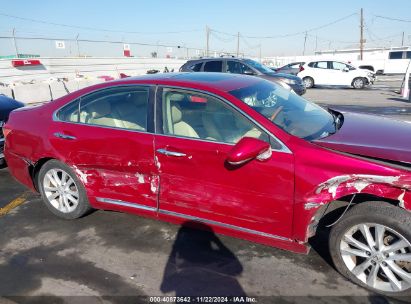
305 41
238 44
15 43
260 52
402 40
207 40
78 46
361 35
316 40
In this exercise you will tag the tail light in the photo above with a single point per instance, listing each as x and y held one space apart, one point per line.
301 68
6 131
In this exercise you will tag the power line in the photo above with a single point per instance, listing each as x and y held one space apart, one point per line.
305 31
290 34
93 28
392 19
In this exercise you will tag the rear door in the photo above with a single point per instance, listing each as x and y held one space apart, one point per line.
106 138
195 133
320 72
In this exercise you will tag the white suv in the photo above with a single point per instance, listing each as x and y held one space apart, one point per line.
335 73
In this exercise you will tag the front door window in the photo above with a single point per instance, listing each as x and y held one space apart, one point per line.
195 115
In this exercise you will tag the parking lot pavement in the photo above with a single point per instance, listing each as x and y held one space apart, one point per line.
110 254
380 99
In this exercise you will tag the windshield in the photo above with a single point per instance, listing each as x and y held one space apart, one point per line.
290 112
258 66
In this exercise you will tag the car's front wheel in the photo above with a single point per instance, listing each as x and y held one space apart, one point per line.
371 246
358 83
62 192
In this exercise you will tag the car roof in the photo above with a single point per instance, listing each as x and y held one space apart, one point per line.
221 81
216 58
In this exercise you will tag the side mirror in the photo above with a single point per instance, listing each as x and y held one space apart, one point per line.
248 72
346 69
247 149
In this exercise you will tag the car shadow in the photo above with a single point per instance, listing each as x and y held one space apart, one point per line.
399 99
201 265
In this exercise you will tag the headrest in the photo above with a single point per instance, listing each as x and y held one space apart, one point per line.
176 97
100 109
176 114
139 98
124 108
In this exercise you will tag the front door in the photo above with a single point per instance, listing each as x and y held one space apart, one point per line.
104 137
198 130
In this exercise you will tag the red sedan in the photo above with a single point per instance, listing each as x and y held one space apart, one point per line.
237 153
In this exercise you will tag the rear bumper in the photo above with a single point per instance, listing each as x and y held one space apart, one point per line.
19 169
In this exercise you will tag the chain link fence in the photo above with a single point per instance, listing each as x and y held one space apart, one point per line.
13 46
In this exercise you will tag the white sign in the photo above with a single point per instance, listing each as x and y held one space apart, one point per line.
126 47
169 49
60 45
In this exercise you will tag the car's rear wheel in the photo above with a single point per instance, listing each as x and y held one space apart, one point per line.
358 83
308 82
62 192
371 246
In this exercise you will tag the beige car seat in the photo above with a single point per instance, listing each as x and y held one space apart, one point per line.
99 113
180 127
133 112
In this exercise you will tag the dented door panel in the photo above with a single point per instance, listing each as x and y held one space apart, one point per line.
112 163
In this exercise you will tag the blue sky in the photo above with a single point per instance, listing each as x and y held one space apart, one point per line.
251 18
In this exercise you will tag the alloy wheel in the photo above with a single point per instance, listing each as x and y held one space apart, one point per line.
60 190
358 83
378 256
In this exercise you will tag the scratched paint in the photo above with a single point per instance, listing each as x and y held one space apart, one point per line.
83 176
154 183
358 181
140 178
401 199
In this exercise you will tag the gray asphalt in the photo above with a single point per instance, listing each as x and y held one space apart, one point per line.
110 257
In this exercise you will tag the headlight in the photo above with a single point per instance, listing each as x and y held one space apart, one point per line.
371 75
289 81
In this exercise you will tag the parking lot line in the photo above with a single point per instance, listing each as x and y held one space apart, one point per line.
13 204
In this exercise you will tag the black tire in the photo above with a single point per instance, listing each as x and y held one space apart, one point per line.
82 208
308 82
379 213
358 83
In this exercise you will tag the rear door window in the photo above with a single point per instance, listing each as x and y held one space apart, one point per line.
117 107
395 55
408 55
213 66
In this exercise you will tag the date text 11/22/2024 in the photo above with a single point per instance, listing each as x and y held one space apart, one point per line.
205 299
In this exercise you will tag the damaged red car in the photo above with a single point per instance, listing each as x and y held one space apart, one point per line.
237 153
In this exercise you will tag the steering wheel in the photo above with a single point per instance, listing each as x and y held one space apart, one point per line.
275 114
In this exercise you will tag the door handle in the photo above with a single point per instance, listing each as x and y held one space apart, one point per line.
171 153
64 136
